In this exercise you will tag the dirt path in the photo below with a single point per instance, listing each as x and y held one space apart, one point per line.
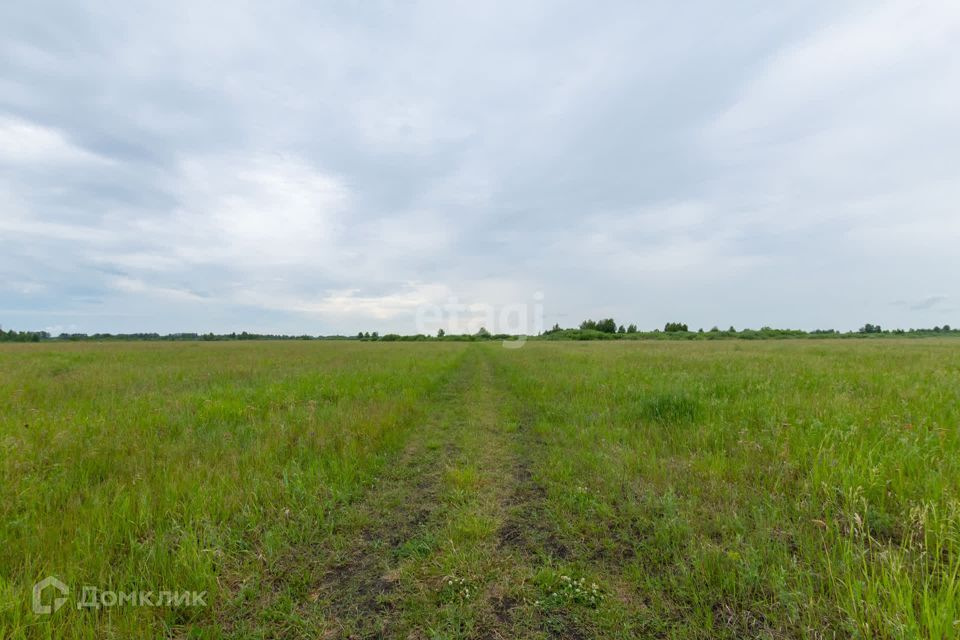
447 542
393 520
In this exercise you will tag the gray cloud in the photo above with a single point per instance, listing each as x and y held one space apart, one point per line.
925 304
928 303
176 166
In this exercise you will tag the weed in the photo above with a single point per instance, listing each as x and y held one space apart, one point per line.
559 590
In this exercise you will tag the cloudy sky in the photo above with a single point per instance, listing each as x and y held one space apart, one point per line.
335 166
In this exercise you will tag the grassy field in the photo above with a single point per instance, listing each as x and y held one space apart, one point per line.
445 490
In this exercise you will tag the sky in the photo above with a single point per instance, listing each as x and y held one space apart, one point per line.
331 167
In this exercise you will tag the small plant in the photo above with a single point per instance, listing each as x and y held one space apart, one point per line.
560 591
456 589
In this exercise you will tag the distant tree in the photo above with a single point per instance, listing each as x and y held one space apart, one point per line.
360 335
375 335
441 333
946 327
621 329
632 328
588 325
870 328
607 325
673 327
483 333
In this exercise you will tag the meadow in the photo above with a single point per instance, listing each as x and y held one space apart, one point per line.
775 489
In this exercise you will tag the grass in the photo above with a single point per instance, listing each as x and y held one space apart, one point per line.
566 489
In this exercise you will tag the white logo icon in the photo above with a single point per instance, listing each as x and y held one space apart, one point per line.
58 601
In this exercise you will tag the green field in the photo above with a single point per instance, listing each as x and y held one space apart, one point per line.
444 490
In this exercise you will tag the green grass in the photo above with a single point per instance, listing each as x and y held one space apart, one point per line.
443 490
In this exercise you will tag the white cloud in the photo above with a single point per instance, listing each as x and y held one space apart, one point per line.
405 126
135 286
172 163
350 303
81 234
860 53
253 212
27 143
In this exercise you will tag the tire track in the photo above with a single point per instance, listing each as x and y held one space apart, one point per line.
355 591
526 536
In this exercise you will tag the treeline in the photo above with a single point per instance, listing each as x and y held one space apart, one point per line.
441 336
43 336
605 329
608 329
368 336
23 336
183 337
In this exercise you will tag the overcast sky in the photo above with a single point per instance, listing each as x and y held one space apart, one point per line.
335 166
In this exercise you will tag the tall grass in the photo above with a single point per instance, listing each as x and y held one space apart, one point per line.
187 467
775 489
711 489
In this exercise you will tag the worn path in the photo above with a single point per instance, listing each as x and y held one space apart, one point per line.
449 539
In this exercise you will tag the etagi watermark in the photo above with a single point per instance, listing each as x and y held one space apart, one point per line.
520 319
50 594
